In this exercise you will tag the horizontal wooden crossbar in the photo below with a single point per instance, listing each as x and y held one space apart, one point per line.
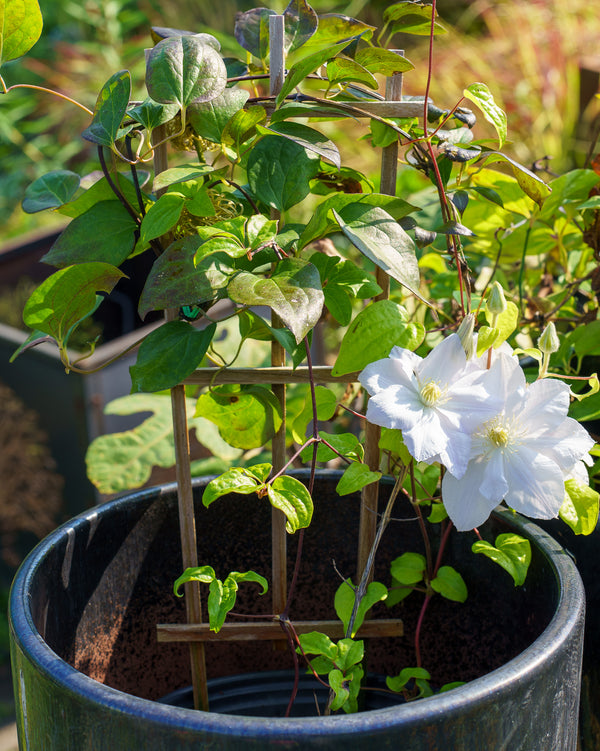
322 374
271 630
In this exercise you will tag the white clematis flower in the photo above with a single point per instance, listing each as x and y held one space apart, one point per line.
522 455
435 401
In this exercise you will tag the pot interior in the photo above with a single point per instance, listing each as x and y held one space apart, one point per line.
103 582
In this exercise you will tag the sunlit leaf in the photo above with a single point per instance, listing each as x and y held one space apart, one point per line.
511 552
344 600
20 27
291 497
450 584
110 110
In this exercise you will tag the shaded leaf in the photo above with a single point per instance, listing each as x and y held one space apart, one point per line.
305 67
355 477
307 138
50 191
301 22
168 355
385 62
450 584
251 31
279 172
105 232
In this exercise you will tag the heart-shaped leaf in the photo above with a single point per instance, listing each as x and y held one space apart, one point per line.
209 119
50 191
181 70
280 171
168 355
305 67
359 347
247 416
511 552
293 292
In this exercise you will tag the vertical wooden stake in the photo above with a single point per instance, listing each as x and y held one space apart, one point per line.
370 494
278 533
187 522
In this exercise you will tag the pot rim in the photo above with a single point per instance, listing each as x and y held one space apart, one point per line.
568 613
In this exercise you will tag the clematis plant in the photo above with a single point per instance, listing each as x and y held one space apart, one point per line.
242 201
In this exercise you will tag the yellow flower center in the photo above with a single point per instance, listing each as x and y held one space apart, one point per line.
431 394
499 435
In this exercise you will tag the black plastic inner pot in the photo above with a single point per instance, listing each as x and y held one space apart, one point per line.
100 590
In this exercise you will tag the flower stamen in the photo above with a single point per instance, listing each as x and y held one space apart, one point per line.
431 393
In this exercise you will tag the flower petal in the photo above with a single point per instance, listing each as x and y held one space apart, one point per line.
466 506
390 371
536 484
445 361
396 407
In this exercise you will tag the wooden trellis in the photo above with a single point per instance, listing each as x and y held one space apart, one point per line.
195 632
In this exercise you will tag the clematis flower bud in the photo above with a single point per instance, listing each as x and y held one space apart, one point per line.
465 333
496 303
548 341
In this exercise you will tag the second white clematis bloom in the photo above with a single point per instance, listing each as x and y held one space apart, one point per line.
522 454
435 401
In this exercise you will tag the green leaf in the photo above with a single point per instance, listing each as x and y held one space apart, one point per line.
335 28
168 355
279 172
343 70
50 191
512 553
242 480
151 114
344 603
300 22
529 182
506 322
252 31
420 676
305 67
355 477
209 119
20 27
379 60
121 461
383 241
320 224
180 174
292 497
450 584
175 280
161 216
411 17
317 643
97 192
105 233
242 126
484 99
307 138
110 110
409 568
67 297
326 404
580 507
246 416
293 292
359 347
222 594
182 70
